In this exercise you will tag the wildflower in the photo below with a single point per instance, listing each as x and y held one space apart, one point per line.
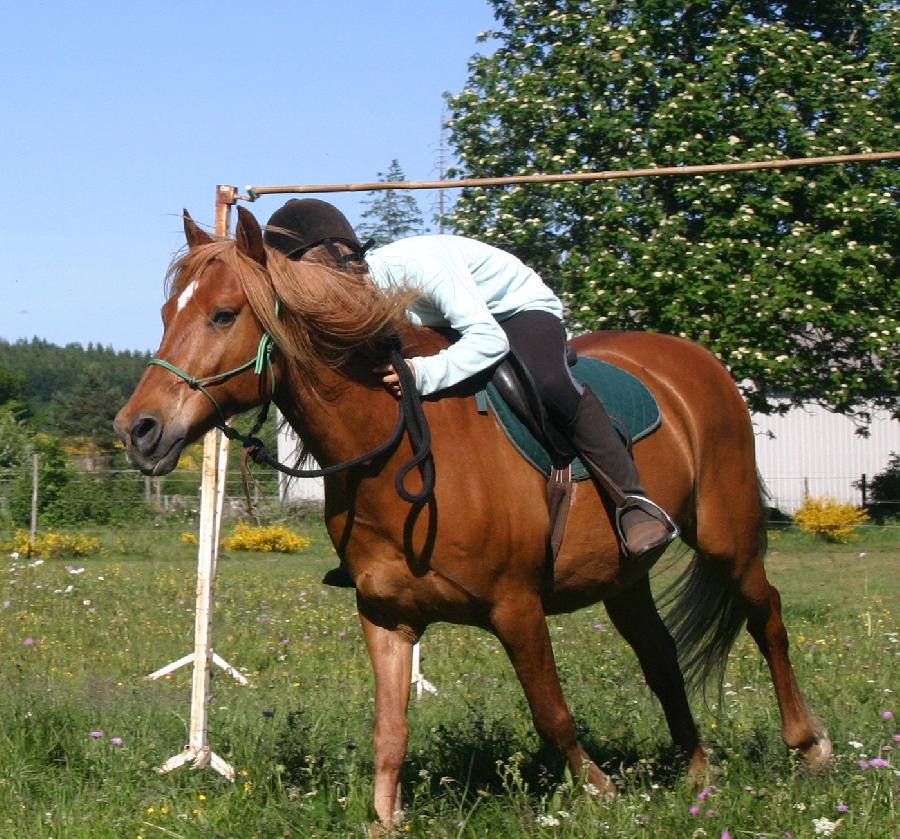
824 827
695 810
879 763
116 741
29 641
842 808
96 734
862 764
887 715
547 821
201 797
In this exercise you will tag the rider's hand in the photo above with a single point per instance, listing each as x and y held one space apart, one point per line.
391 379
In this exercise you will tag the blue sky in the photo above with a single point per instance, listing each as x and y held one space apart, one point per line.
114 116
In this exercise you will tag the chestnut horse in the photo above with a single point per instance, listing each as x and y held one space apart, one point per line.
476 552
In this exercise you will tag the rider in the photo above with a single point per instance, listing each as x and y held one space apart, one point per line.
496 304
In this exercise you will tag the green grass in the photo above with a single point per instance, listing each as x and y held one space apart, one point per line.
74 662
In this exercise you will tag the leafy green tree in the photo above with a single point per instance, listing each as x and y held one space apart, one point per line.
789 276
52 479
15 439
390 214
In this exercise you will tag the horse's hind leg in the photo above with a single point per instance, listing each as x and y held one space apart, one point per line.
634 614
521 627
731 547
799 728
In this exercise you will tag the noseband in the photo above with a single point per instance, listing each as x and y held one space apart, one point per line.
262 361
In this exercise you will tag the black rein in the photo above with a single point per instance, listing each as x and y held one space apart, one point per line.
410 418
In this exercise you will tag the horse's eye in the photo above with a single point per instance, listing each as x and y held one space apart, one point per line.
224 317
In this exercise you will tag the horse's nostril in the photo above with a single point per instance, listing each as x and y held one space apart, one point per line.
145 433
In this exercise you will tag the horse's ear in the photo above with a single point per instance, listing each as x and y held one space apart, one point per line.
194 235
249 237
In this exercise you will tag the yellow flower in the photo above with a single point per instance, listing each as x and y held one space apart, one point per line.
201 797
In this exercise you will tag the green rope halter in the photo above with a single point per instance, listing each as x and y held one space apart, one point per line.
260 362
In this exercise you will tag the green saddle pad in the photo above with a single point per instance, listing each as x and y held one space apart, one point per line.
631 406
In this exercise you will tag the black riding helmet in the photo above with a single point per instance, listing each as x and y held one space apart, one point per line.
303 223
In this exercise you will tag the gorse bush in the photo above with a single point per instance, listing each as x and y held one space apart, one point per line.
266 538
830 519
52 545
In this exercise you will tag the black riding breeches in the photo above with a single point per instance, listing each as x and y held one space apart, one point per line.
539 341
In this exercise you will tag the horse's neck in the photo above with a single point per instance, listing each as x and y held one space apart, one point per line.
349 419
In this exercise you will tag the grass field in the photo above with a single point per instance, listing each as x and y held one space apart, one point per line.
81 730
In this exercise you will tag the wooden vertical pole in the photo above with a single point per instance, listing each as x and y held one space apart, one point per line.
212 495
35 476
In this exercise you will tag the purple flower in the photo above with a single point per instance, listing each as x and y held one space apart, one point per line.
96 734
262 619
887 715
695 810
879 763
116 741
748 788
842 808
726 834
862 764
29 641
710 814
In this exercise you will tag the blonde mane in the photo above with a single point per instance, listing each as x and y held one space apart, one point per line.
322 315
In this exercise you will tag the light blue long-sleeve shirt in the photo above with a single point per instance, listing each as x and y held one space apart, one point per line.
466 285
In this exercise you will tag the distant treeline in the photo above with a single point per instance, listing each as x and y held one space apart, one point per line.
41 375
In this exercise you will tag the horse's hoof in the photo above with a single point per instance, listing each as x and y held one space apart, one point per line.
599 784
817 758
380 830
699 770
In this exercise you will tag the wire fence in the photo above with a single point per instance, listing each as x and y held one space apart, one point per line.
123 497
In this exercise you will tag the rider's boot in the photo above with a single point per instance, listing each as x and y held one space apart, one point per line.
644 528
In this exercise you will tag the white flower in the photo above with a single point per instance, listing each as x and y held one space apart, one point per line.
824 827
547 821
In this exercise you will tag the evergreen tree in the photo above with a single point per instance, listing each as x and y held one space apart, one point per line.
88 409
391 214
789 276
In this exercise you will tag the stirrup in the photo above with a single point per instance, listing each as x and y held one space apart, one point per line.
629 502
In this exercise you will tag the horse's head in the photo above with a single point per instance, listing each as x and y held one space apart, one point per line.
213 361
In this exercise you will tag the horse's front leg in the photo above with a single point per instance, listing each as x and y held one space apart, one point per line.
391 653
521 627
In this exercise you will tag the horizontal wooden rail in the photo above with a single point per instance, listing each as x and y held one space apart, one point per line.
254 192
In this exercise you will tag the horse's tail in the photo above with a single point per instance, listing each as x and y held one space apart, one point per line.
703 611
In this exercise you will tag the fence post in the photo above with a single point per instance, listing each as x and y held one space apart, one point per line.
34 497
863 488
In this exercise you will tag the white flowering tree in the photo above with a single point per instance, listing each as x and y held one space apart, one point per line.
789 276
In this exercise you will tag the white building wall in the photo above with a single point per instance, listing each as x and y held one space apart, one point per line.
295 489
812 451
807 450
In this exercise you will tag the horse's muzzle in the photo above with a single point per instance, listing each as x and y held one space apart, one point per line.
150 446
